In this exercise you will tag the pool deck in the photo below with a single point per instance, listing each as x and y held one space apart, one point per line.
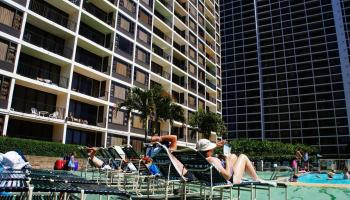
318 185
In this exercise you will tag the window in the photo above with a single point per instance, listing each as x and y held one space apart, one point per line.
192 101
193 39
125 24
124 45
192 69
143 36
119 92
128 5
193 11
123 68
192 54
4 89
142 55
145 18
141 77
83 137
136 122
116 140
201 61
10 17
7 51
193 26
118 117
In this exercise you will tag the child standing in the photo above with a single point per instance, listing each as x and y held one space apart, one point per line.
71 164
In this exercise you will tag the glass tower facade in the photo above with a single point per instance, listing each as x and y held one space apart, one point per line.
286 71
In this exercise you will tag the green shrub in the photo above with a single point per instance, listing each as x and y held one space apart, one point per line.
37 147
269 150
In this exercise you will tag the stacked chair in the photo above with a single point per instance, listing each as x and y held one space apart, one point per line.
210 178
42 184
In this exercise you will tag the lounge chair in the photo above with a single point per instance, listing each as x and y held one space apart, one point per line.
207 174
170 170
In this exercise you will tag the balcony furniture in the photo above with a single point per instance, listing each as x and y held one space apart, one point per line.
54 115
34 111
43 113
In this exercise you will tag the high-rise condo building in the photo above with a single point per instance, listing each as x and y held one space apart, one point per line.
66 64
286 74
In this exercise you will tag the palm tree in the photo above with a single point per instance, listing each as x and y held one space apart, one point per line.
153 105
140 101
206 122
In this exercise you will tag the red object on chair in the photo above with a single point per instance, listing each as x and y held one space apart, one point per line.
60 164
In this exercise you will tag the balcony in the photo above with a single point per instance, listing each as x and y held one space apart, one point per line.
52 13
210 98
157 69
89 86
180 63
162 35
36 73
182 18
163 18
211 85
211 71
180 48
11 25
98 13
37 109
128 6
210 58
91 60
182 33
179 80
47 41
86 114
95 36
160 52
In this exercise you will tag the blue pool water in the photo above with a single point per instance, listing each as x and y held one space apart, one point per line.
323 178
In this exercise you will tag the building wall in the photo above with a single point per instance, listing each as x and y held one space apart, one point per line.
80 58
299 70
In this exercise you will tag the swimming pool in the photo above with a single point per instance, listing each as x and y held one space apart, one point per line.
322 178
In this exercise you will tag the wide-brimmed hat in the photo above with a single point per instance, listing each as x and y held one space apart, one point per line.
205 145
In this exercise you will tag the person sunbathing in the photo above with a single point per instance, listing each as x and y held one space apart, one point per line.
234 166
96 161
170 141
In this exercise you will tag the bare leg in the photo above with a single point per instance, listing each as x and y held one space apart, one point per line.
242 165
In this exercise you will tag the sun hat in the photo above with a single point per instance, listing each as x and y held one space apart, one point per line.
205 145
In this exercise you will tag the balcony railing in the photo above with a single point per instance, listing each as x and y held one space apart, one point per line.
100 14
86 119
30 71
46 43
37 109
93 93
159 51
164 19
182 18
51 14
